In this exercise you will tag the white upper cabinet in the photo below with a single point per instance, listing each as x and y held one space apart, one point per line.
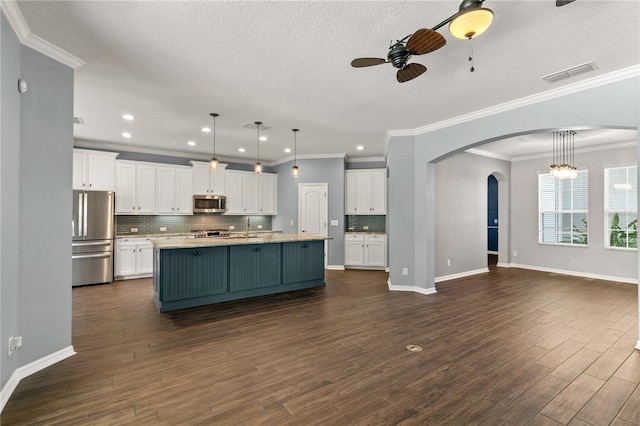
248 193
135 187
174 190
93 170
365 191
206 181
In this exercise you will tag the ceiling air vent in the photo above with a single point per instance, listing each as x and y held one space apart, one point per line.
78 120
570 72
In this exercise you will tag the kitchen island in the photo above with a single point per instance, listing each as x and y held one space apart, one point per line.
202 271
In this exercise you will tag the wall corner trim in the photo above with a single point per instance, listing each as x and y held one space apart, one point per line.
32 368
26 37
335 267
425 291
638 345
461 275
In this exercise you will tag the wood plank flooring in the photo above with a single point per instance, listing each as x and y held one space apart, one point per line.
509 347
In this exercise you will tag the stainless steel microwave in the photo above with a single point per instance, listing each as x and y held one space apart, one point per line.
209 204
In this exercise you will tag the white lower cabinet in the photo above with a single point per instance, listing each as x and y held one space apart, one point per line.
134 258
365 250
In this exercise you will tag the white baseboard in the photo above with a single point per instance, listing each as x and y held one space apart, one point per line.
638 345
577 274
425 291
460 275
492 252
29 369
503 265
336 267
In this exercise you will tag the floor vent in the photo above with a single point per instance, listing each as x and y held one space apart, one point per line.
570 72
78 120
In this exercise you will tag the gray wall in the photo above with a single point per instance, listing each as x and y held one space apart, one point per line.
593 259
612 105
36 166
329 170
461 211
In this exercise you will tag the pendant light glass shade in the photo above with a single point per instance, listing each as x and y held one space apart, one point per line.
294 170
214 161
257 168
471 22
563 147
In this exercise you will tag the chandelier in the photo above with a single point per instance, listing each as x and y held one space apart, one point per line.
563 155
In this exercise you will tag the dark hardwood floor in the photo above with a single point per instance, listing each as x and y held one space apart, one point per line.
508 347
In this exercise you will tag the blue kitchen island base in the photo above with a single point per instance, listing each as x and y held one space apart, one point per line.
202 273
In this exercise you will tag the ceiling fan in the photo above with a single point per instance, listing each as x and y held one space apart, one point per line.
471 20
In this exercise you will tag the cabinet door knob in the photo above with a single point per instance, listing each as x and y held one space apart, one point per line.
90 185
138 207
178 208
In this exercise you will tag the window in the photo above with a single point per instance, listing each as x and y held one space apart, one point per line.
562 206
621 207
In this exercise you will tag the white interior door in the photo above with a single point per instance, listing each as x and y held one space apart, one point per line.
313 210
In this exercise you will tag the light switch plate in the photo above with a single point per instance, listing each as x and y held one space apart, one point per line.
334 222
134 229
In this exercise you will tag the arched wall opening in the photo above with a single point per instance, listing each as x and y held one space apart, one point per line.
412 160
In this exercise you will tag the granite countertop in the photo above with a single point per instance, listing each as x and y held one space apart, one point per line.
190 234
179 243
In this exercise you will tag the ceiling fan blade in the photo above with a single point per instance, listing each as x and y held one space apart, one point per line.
563 2
424 41
410 72
366 62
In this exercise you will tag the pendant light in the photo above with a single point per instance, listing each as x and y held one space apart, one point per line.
471 20
214 161
294 170
258 167
563 156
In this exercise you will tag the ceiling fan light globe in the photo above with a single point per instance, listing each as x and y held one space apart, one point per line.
471 23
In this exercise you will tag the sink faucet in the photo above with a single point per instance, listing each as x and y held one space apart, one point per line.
248 225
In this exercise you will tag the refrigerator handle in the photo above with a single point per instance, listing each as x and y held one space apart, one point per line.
84 215
80 214
73 228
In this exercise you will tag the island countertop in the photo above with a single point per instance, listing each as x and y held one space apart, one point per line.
181 243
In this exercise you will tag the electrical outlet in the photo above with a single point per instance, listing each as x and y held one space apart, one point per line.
448 262
163 228
365 227
134 229
259 226
231 227
515 253
291 222
405 271
15 344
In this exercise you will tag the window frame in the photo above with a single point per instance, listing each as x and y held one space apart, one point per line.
607 211
556 212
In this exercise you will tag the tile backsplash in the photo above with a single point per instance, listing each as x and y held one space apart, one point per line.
356 223
185 224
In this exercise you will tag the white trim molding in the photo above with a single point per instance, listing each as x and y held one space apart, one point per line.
461 275
638 345
26 37
306 157
32 368
335 267
504 265
425 291
601 80
577 274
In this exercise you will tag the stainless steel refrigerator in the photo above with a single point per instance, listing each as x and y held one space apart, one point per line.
92 243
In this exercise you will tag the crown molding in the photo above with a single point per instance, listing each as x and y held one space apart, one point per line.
306 157
364 159
488 154
26 37
595 148
601 80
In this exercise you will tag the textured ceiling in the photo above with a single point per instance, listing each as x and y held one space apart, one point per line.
287 64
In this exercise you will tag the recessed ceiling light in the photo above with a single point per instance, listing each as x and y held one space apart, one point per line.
287 150
191 143
126 135
241 150
360 147
206 129
263 138
128 117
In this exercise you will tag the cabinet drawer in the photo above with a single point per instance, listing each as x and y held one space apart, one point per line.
352 237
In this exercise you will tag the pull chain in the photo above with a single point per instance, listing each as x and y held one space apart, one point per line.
472 69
